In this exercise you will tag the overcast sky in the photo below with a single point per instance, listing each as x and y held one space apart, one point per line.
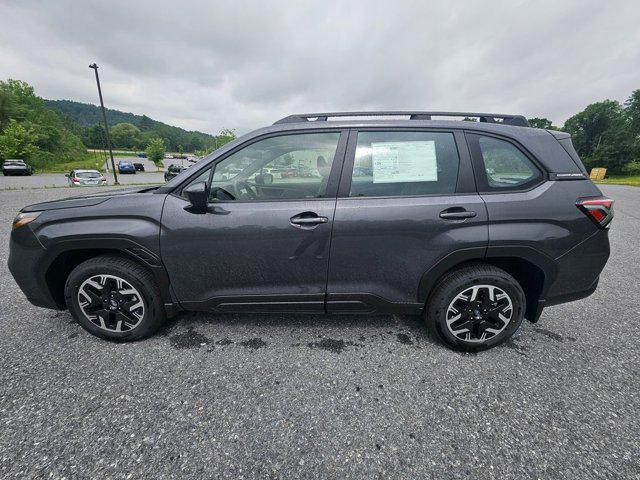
208 65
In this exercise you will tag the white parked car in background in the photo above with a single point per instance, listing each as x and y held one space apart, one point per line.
79 178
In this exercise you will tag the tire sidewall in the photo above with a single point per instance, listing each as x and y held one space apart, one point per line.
82 273
449 292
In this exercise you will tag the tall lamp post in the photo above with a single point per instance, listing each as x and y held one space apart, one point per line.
106 126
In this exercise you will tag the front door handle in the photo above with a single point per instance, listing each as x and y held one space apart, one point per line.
456 213
308 219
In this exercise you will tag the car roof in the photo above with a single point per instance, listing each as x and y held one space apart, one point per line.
522 134
80 170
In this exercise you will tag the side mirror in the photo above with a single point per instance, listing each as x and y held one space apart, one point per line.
198 196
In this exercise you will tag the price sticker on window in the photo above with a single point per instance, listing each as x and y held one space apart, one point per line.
403 162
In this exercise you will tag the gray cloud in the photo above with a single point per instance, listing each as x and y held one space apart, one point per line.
244 64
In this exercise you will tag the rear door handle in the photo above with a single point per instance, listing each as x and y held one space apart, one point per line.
457 215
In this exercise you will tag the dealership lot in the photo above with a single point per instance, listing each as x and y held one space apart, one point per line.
53 180
287 395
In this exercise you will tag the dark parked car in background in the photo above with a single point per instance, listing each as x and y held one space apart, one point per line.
139 167
125 166
173 171
474 225
16 167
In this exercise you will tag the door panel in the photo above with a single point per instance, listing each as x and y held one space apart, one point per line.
248 255
263 243
391 229
381 247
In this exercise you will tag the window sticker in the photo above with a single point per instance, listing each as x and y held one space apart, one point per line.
396 162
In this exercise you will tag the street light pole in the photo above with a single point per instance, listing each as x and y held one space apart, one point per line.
106 125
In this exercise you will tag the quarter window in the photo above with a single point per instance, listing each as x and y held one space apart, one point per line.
505 166
404 164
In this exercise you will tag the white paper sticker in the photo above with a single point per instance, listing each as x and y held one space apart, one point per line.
395 162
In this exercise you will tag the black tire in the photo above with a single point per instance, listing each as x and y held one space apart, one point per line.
153 314
460 281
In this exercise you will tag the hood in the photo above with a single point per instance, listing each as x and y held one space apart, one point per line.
86 200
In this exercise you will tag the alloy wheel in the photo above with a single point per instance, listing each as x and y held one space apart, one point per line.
479 313
111 303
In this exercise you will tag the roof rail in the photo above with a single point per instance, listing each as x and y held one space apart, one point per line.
516 120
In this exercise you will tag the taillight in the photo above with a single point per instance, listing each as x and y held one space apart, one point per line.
598 209
74 180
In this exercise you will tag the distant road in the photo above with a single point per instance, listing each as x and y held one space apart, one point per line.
45 180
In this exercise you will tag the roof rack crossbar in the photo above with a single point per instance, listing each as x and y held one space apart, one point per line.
516 120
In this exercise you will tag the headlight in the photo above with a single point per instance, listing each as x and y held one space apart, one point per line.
24 218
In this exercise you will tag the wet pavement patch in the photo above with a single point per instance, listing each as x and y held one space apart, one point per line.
405 339
254 343
188 339
332 345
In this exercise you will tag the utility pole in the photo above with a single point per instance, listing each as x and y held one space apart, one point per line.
106 125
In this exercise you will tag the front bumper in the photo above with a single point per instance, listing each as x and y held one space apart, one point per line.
26 256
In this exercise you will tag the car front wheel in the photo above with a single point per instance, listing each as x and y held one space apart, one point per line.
475 307
114 298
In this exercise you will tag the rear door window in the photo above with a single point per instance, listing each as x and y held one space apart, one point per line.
396 163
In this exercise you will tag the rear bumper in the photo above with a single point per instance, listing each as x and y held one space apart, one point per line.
578 270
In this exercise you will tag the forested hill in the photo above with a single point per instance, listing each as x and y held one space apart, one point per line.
90 116
87 114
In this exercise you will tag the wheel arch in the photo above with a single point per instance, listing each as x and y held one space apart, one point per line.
66 257
532 269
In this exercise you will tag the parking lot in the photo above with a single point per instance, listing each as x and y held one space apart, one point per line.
287 396
52 180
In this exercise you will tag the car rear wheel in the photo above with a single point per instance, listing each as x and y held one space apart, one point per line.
114 298
475 308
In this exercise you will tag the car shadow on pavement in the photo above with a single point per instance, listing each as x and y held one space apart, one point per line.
407 329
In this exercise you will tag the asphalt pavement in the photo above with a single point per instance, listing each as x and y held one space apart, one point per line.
308 396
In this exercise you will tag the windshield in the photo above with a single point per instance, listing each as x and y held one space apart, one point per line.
87 174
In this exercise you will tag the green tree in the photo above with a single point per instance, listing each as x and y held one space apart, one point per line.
16 141
226 135
6 108
95 137
632 114
588 127
144 139
156 151
538 122
32 130
602 136
287 160
124 135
